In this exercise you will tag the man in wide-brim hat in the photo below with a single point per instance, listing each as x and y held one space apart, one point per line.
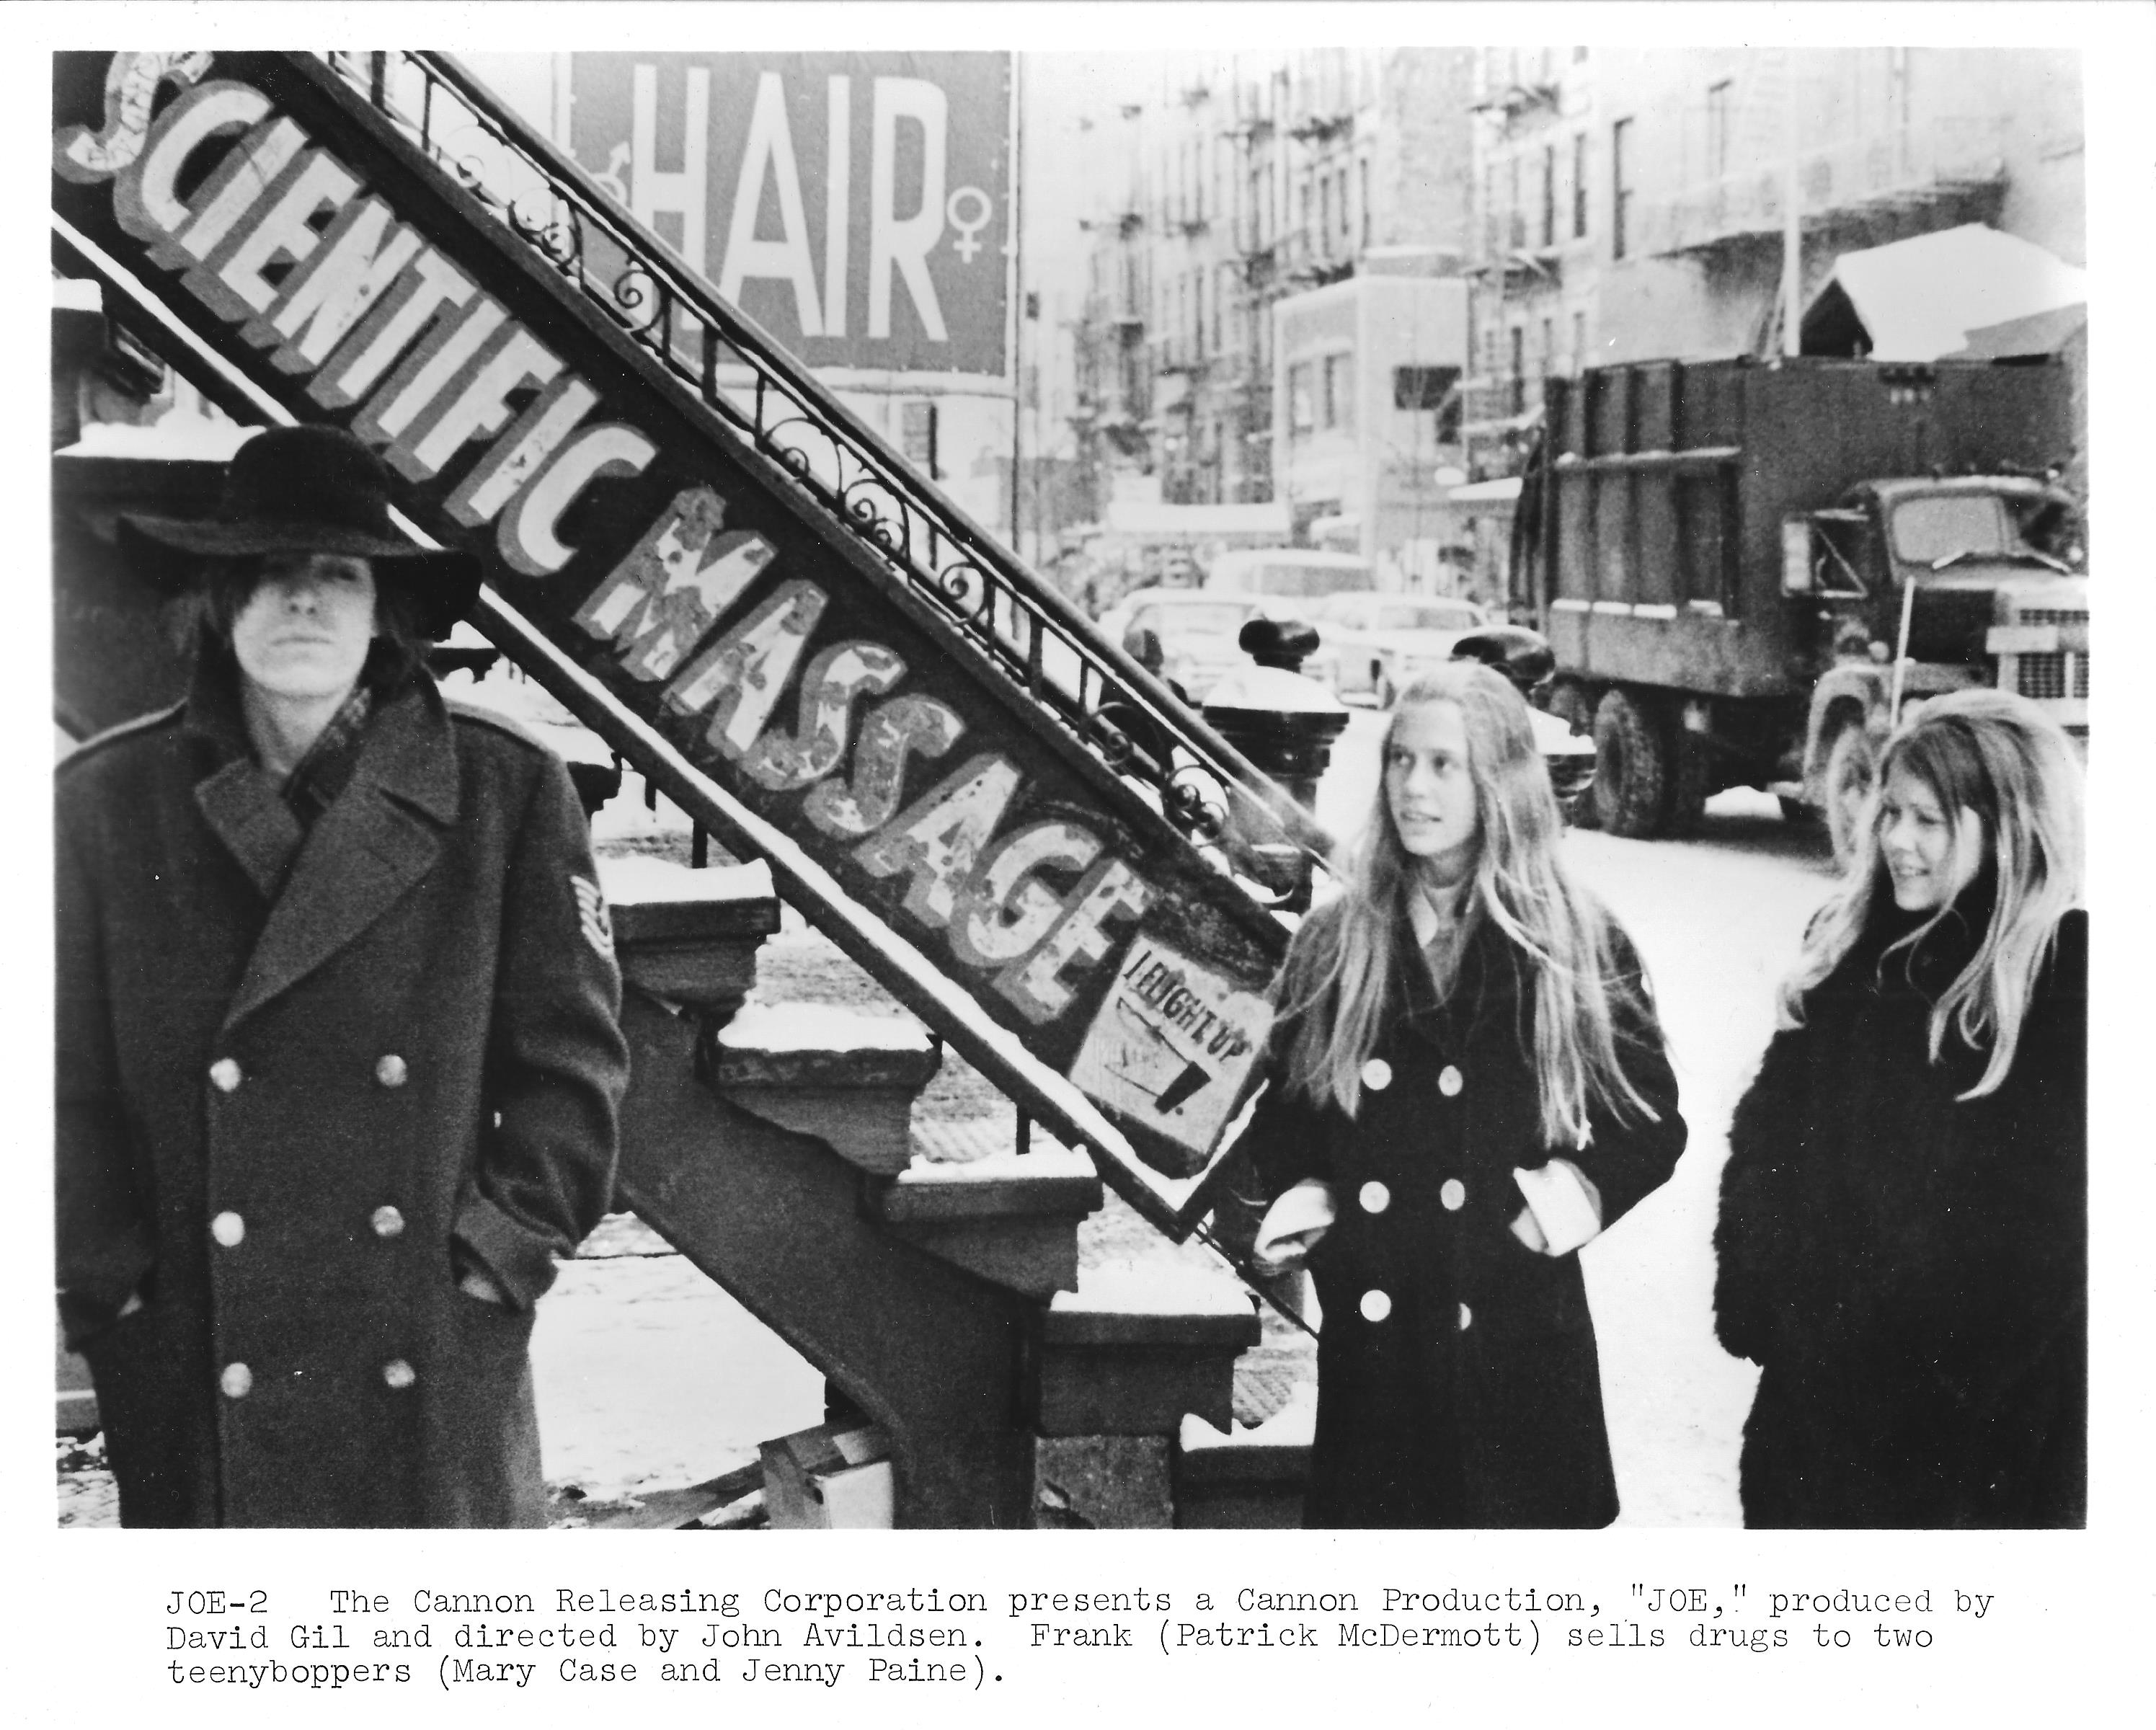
339 1058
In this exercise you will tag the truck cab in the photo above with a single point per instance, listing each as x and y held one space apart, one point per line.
1923 586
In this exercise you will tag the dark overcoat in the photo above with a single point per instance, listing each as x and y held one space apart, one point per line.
1457 1379
1910 1270
298 1091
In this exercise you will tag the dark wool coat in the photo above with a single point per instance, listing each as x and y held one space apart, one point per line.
1474 1398
1911 1272
292 1101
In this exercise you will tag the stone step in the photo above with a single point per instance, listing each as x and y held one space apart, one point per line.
1137 1348
689 936
1009 1218
849 1079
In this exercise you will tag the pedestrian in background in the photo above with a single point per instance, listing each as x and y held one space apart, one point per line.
1466 1083
339 1057
1903 1244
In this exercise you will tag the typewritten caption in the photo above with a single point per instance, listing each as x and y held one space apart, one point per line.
377 1635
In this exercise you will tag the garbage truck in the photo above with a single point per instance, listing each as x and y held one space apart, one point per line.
1748 568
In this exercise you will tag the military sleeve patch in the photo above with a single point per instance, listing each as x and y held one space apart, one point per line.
592 917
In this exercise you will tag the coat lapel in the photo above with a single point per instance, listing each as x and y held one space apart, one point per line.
257 827
380 837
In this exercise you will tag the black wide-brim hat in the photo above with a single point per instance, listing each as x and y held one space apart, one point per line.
304 489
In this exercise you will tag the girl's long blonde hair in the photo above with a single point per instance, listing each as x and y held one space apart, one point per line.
1341 969
1999 758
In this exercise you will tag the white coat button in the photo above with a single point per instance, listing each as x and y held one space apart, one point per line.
391 1070
1376 1305
1374 1196
399 1375
1377 1074
1454 1195
237 1381
227 1229
224 1075
1449 1081
1466 1318
388 1222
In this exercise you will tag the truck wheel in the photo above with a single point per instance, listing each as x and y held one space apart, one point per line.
1569 701
1631 765
1691 767
1851 766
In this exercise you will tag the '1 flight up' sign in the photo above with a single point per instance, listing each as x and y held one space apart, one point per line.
857 206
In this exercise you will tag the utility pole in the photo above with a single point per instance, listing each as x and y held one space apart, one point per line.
1018 287
1793 232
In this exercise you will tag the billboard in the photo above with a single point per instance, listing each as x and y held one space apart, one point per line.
858 206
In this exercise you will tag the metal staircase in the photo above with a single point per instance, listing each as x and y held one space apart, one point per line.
741 588
758 604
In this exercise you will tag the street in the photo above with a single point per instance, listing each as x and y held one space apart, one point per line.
649 1375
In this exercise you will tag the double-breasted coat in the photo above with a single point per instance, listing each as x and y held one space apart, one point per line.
1910 1269
304 1081
1457 1379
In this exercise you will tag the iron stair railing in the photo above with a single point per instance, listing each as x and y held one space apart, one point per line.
1020 624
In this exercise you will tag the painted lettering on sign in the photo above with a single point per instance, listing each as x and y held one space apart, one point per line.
1171 1043
857 204
280 240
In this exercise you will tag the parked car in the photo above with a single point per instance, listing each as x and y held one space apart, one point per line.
1372 645
1195 628
1282 574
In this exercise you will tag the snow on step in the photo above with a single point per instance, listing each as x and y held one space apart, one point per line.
639 880
819 1028
1001 1167
1292 1426
1156 1286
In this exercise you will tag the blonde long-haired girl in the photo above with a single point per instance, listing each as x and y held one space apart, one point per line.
1466 1084
1902 1244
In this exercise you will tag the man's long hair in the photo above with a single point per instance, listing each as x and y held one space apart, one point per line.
2007 777
1346 959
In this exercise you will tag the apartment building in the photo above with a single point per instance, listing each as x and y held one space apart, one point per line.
1274 311
1632 202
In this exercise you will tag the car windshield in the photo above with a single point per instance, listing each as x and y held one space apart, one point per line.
1948 525
1408 616
1201 617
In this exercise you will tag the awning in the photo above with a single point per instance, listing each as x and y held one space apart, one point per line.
2037 333
1919 299
1493 495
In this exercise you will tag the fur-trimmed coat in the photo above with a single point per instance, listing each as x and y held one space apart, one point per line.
1910 1270
1457 1379
297 1091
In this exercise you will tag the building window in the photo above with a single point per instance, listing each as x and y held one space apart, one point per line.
1301 408
1363 170
1620 189
1579 186
1430 387
1578 342
1340 392
1515 218
1717 130
1324 212
1549 195
1519 391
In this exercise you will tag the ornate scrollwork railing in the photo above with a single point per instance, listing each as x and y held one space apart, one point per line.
1030 634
